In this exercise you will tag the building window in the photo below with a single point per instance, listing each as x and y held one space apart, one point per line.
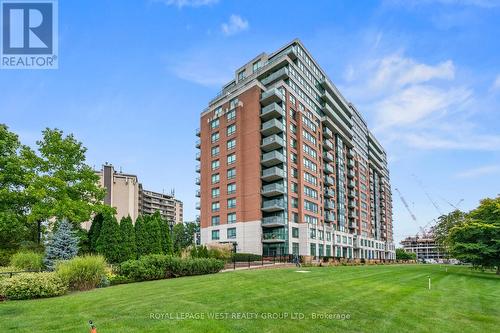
231 233
215 234
215 178
293 143
295 217
295 172
295 249
215 192
231 218
231 173
295 187
295 232
231 203
313 248
215 151
214 124
313 234
215 206
215 164
310 206
256 65
231 129
231 115
295 203
231 188
328 237
293 114
293 157
215 220
293 128
215 137
231 144
241 75
231 159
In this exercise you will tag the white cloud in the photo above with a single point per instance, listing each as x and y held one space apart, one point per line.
496 84
235 25
478 172
189 3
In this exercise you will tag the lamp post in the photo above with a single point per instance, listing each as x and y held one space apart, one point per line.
234 254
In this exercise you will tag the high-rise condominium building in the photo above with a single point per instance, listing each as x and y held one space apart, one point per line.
288 166
125 193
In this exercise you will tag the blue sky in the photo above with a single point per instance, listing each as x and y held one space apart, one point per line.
134 76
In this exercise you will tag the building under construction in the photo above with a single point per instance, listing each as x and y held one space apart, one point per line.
425 247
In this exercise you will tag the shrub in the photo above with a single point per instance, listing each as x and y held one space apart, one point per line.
32 285
246 257
5 256
220 251
82 273
27 260
118 279
154 267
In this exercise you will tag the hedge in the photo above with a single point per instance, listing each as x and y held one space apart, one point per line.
246 257
157 266
32 285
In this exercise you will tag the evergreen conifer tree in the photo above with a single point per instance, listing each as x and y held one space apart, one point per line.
129 246
109 240
63 245
95 229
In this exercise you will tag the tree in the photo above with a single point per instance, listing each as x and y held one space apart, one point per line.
95 230
109 240
64 186
166 240
183 237
442 228
62 246
140 235
153 230
16 173
401 254
128 245
476 240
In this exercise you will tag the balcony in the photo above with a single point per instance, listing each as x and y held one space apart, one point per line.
329 193
350 164
327 133
273 205
270 127
197 181
350 173
272 190
198 156
274 237
272 174
198 206
328 169
198 193
271 111
327 156
329 217
276 76
273 221
272 142
329 204
198 168
329 181
350 153
272 158
353 225
352 204
198 143
351 184
271 96
198 132
328 144
351 194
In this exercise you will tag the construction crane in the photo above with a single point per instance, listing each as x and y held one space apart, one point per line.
453 205
406 205
434 203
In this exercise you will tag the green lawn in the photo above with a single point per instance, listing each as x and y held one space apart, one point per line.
376 298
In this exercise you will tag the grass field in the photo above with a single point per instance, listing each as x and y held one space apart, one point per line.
375 298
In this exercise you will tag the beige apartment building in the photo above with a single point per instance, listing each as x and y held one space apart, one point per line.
288 166
126 194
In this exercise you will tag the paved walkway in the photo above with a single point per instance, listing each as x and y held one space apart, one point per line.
268 266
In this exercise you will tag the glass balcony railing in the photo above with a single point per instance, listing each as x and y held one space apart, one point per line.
272 126
273 205
276 236
328 169
327 144
198 132
327 133
329 193
273 189
272 142
272 158
271 111
327 156
271 96
273 221
271 174
198 156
